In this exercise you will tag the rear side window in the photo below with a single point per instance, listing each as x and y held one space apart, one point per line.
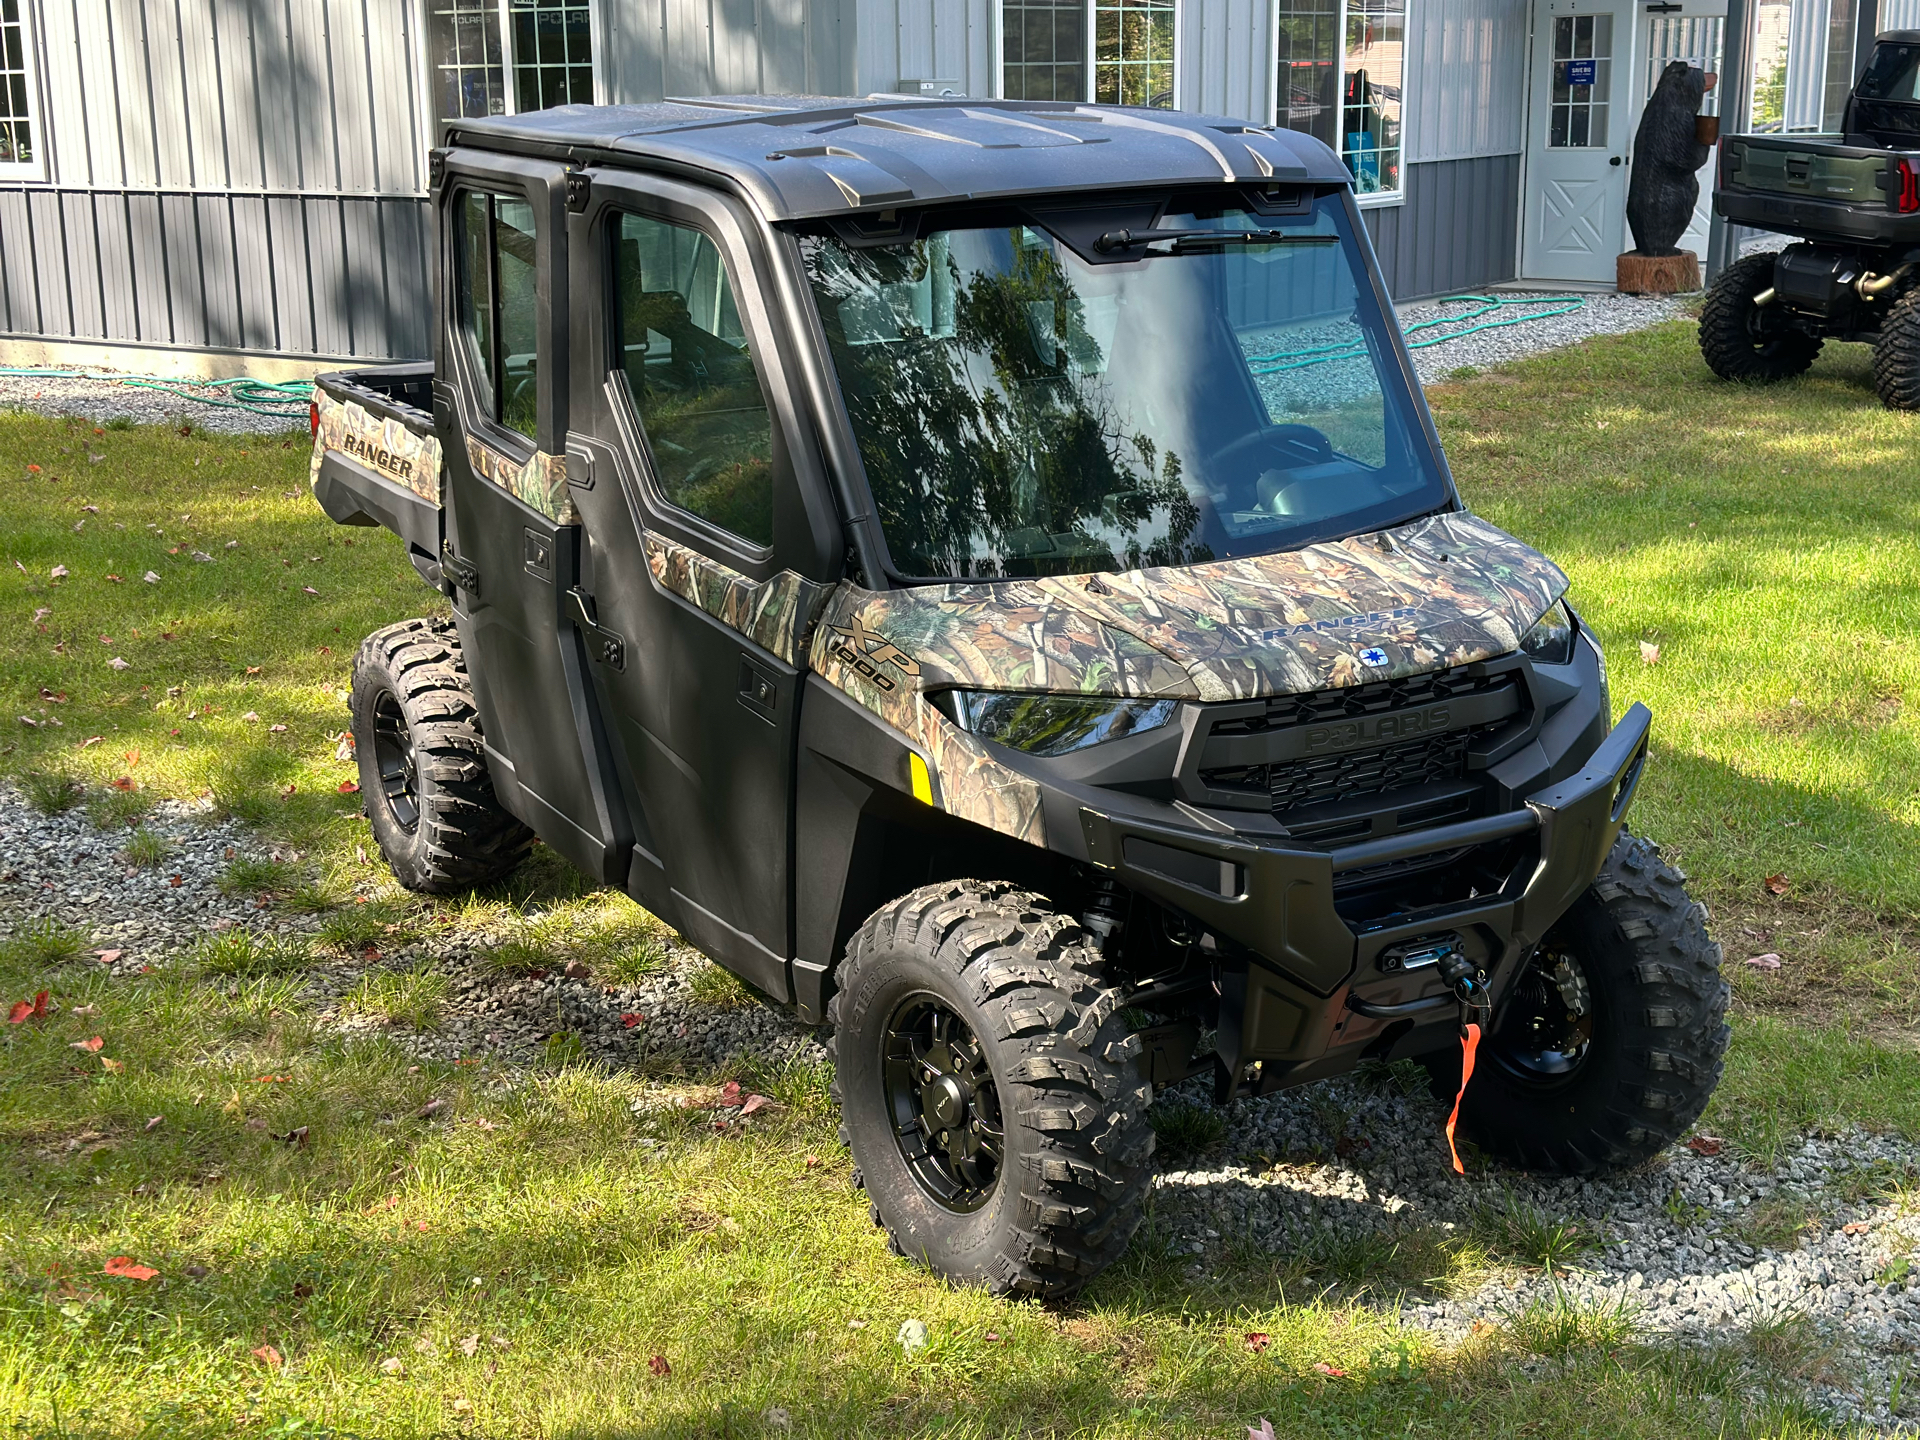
684 355
496 304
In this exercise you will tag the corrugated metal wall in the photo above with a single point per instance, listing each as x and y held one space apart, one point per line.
225 174
651 49
1466 79
1456 231
925 40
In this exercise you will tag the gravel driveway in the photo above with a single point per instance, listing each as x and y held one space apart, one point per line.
1681 1246
104 400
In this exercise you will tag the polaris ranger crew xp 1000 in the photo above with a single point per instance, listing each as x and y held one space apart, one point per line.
986 574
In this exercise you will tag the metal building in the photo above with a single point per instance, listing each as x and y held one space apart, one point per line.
201 186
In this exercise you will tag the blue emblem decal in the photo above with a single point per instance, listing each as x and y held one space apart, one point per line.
1374 655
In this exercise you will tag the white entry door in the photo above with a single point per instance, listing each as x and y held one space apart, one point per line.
1579 126
1691 30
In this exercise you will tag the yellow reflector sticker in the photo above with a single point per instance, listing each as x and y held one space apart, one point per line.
922 781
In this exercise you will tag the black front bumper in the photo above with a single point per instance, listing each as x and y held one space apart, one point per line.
1278 902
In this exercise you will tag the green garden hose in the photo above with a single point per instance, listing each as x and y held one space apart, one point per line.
279 400
1489 304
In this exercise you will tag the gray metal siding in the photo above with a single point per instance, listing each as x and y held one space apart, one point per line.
1225 58
651 49
224 174
1456 230
1466 68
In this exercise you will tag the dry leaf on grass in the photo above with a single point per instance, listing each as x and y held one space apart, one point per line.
1258 1340
1768 961
1705 1144
127 1268
1334 1371
91 1044
1649 652
658 1365
268 1356
1857 1227
470 1346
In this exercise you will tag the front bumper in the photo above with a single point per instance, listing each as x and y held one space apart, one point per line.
1277 902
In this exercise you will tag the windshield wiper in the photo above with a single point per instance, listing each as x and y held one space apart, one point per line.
1126 239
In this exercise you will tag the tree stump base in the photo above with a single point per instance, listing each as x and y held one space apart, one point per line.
1637 274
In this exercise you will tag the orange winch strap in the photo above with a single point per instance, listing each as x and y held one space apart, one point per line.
1469 1041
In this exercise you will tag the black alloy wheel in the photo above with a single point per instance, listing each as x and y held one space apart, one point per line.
945 1109
394 760
1546 1031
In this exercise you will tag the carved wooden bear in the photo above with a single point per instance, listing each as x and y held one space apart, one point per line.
1666 161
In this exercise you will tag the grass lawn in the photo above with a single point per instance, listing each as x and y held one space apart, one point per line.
510 1265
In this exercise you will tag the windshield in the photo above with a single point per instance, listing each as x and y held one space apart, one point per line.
1024 411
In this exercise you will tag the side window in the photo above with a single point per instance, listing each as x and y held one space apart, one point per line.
684 354
497 304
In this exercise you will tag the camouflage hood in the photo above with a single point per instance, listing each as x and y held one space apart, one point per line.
1439 592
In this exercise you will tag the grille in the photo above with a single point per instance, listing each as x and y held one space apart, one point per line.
1297 784
1350 702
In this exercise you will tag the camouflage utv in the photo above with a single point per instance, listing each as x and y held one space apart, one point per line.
985 573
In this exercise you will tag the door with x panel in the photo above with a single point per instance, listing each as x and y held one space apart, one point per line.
1578 140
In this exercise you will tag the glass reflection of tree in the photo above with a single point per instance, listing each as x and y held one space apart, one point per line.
1031 474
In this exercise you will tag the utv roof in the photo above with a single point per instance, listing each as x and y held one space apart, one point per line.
801 156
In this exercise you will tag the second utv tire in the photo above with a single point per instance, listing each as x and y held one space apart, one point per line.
971 1010
1896 355
423 769
1647 981
1737 339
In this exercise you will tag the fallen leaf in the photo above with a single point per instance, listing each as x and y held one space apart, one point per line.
308 590
128 1268
992 1337
1857 1227
290 788
1332 1370
122 782
1649 652
1768 961
460 1405
84 1010
114 1066
431 1108
424 1346
1265 1432
813 1162
576 970
273 1079
132 757
730 1093
1705 1144
107 957
658 1365
253 669
113 580
203 557
175 880
856 1324
91 1044
118 664
754 1102
53 697
1258 1340
630 1020
154 1122
393 1365
251 717
501 1342
41 613
276 729
151 578
1776 884
21 1012
911 1336
470 1346
268 1356
59 572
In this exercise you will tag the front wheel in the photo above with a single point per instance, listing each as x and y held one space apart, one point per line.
988 1089
1612 1039
1743 341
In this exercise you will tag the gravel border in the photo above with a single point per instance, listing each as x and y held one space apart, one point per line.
1604 313
1320 1167
101 400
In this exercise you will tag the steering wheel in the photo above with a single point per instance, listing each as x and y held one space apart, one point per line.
1298 444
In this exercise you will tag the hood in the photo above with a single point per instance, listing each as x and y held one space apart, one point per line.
1442 591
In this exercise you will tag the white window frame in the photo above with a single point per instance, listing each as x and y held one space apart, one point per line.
1378 199
1088 10
430 71
36 168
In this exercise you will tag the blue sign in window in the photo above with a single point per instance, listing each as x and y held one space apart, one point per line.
1580 72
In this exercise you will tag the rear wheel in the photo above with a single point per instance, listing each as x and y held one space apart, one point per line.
1613 1037
1896 355
988 1090
423 770
1743 341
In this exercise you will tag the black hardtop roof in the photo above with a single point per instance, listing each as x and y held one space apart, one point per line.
803 156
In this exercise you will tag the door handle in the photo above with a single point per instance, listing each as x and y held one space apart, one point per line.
463 573
607 646
1613 160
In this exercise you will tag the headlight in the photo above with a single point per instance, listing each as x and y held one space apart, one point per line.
1550 641
1052 724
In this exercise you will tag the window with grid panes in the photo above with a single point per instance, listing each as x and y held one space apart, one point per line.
506 57
1341 67
19 116
1112 52
1582 81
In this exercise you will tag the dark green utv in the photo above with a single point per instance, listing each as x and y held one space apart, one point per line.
986 574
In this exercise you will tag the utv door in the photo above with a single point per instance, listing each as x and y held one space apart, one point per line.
709 546
514 540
